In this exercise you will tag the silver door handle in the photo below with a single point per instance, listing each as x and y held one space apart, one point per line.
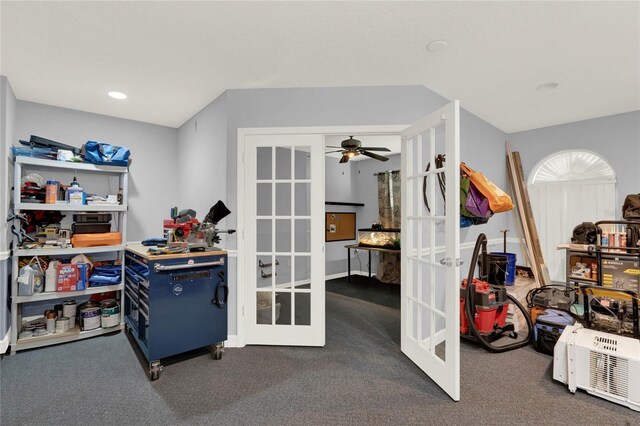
161 268
459 262
446 261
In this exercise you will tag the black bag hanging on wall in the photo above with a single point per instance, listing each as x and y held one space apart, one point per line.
631 207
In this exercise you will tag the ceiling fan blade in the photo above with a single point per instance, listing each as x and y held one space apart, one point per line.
375 156
337 150
331 146
344 159
375 149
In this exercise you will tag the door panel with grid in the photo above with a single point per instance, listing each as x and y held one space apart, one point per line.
284 240
431 247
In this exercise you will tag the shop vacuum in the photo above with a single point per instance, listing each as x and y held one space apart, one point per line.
488 304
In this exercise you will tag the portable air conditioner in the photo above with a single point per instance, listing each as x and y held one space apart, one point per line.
603 364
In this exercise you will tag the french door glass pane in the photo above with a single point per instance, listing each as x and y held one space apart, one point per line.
303 308
264 235
303 199
302 162
284 300
283 277
263 199
283 199
264 155
283 235
283 163
264 302
303 235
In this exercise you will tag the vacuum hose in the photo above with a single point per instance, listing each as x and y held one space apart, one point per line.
470 308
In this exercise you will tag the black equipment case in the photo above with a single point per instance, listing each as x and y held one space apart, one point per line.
548 327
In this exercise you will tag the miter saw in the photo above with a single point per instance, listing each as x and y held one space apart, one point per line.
184 230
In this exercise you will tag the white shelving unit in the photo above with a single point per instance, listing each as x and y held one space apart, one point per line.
49 167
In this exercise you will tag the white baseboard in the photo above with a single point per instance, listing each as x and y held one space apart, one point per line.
231 342
4 343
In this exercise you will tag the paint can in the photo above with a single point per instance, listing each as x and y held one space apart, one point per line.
62 325
110 313
89 316
69 311
51 325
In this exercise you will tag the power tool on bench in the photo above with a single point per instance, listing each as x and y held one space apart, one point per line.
183 229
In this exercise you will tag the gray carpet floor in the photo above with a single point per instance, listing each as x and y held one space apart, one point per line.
359 377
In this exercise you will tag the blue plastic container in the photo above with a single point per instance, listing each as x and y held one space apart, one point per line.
510 275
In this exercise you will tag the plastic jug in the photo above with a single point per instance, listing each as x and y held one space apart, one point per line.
51 276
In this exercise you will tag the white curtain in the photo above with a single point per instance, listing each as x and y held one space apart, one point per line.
566 189
559 207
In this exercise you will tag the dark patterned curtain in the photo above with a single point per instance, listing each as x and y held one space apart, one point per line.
389 211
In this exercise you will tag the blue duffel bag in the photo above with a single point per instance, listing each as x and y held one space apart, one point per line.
105 154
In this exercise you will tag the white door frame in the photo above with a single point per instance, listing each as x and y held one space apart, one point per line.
241 181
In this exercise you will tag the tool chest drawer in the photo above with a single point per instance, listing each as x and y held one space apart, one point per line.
176 304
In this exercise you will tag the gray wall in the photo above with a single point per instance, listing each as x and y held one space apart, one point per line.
7 131
344 106
202 159
616 138
339 186
153 185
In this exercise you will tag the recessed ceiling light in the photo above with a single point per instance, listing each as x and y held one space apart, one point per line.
437 46
118 95
546 87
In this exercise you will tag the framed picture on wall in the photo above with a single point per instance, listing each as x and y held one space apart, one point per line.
340 226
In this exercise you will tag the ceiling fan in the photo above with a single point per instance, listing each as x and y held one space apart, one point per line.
352 147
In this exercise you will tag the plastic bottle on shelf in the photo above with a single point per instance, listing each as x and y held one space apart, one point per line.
51 276
51 192
38 281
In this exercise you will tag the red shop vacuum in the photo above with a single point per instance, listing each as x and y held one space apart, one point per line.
488 304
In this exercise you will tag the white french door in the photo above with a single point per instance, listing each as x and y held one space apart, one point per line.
284 240
430 306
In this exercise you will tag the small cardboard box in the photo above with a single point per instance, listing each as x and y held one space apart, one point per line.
67 277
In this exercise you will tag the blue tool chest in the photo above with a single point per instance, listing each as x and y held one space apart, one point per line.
175 303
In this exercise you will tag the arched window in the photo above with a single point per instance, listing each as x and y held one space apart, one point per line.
567 188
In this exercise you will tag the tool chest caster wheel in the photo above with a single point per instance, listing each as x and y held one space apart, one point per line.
216 351
154 370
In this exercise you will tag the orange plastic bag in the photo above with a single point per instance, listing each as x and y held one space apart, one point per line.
499 201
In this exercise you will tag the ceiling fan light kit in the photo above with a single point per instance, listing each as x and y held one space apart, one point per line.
352 147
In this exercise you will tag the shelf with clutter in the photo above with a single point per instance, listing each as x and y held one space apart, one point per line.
68 250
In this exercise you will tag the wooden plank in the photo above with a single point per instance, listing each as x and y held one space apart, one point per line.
517 193
531 223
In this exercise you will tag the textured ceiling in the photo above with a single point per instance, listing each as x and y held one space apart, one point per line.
173 58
